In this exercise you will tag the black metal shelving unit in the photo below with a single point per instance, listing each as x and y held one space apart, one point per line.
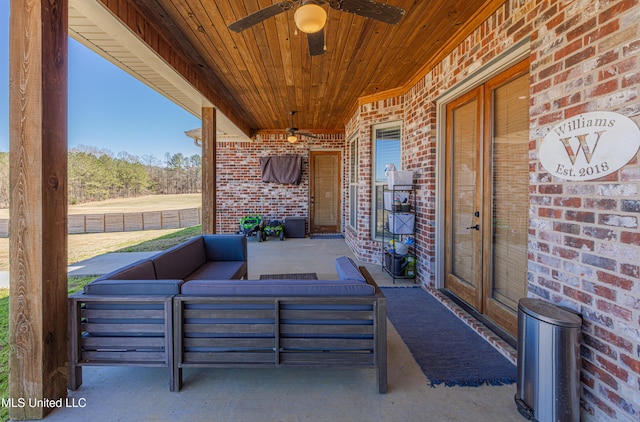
399 204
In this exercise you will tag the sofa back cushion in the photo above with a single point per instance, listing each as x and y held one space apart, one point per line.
140 270
225 247
181 260
348 270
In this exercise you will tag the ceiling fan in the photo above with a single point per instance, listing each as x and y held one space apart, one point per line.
293 132
310 17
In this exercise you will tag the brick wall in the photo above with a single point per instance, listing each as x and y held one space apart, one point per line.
240 189
584 239
384 111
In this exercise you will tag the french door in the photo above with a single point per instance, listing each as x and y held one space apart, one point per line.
487 196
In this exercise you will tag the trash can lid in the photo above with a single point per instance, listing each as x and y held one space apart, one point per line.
550 313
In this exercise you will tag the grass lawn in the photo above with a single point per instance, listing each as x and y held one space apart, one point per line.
137 204
85 246
129 242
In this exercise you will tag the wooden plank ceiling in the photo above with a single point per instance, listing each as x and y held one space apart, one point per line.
266 71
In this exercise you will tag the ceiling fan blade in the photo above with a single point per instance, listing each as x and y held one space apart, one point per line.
260 15
307 135
316 43
370 9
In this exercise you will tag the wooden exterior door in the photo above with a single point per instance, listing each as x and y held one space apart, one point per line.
324 191
487 196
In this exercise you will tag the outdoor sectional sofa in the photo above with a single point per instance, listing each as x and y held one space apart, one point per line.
191 306
125 317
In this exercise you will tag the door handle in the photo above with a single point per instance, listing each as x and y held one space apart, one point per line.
476 227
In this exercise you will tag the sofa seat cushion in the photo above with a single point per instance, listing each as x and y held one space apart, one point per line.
133 287
219 270
276 288
180 260
348 270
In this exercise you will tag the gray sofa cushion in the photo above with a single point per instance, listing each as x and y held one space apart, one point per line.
225 247
219 270
348 270
276 288
180 260
165 272
142 270
133 287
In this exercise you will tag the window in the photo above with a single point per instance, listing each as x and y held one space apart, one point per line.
353 183
386 150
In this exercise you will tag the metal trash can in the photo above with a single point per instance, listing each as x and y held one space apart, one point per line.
548 380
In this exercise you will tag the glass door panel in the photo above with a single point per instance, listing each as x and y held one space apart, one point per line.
463 198
507 195
510 200
463 193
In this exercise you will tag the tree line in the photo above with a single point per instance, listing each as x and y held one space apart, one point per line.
96 175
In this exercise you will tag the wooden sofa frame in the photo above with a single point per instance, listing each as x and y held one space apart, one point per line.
184 331
322 331
124 331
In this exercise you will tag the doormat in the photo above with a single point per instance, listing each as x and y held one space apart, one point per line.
295 276
326 236
447 350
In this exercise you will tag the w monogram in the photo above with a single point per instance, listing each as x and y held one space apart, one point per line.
589 146
582 145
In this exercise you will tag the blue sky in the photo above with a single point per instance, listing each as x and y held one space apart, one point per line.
108 109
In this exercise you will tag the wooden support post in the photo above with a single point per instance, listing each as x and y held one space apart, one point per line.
38 186
209 149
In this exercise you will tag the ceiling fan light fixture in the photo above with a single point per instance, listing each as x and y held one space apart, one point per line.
310 18
292 139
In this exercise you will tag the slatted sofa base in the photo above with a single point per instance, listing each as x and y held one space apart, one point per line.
259 332
189 331
119 331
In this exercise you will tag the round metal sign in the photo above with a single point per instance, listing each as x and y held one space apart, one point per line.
590 145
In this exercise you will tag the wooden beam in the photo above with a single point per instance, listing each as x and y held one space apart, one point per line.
209 148
38 185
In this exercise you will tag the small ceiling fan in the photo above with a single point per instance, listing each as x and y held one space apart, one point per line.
293 132
310 17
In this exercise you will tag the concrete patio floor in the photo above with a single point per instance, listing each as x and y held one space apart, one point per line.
285 394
